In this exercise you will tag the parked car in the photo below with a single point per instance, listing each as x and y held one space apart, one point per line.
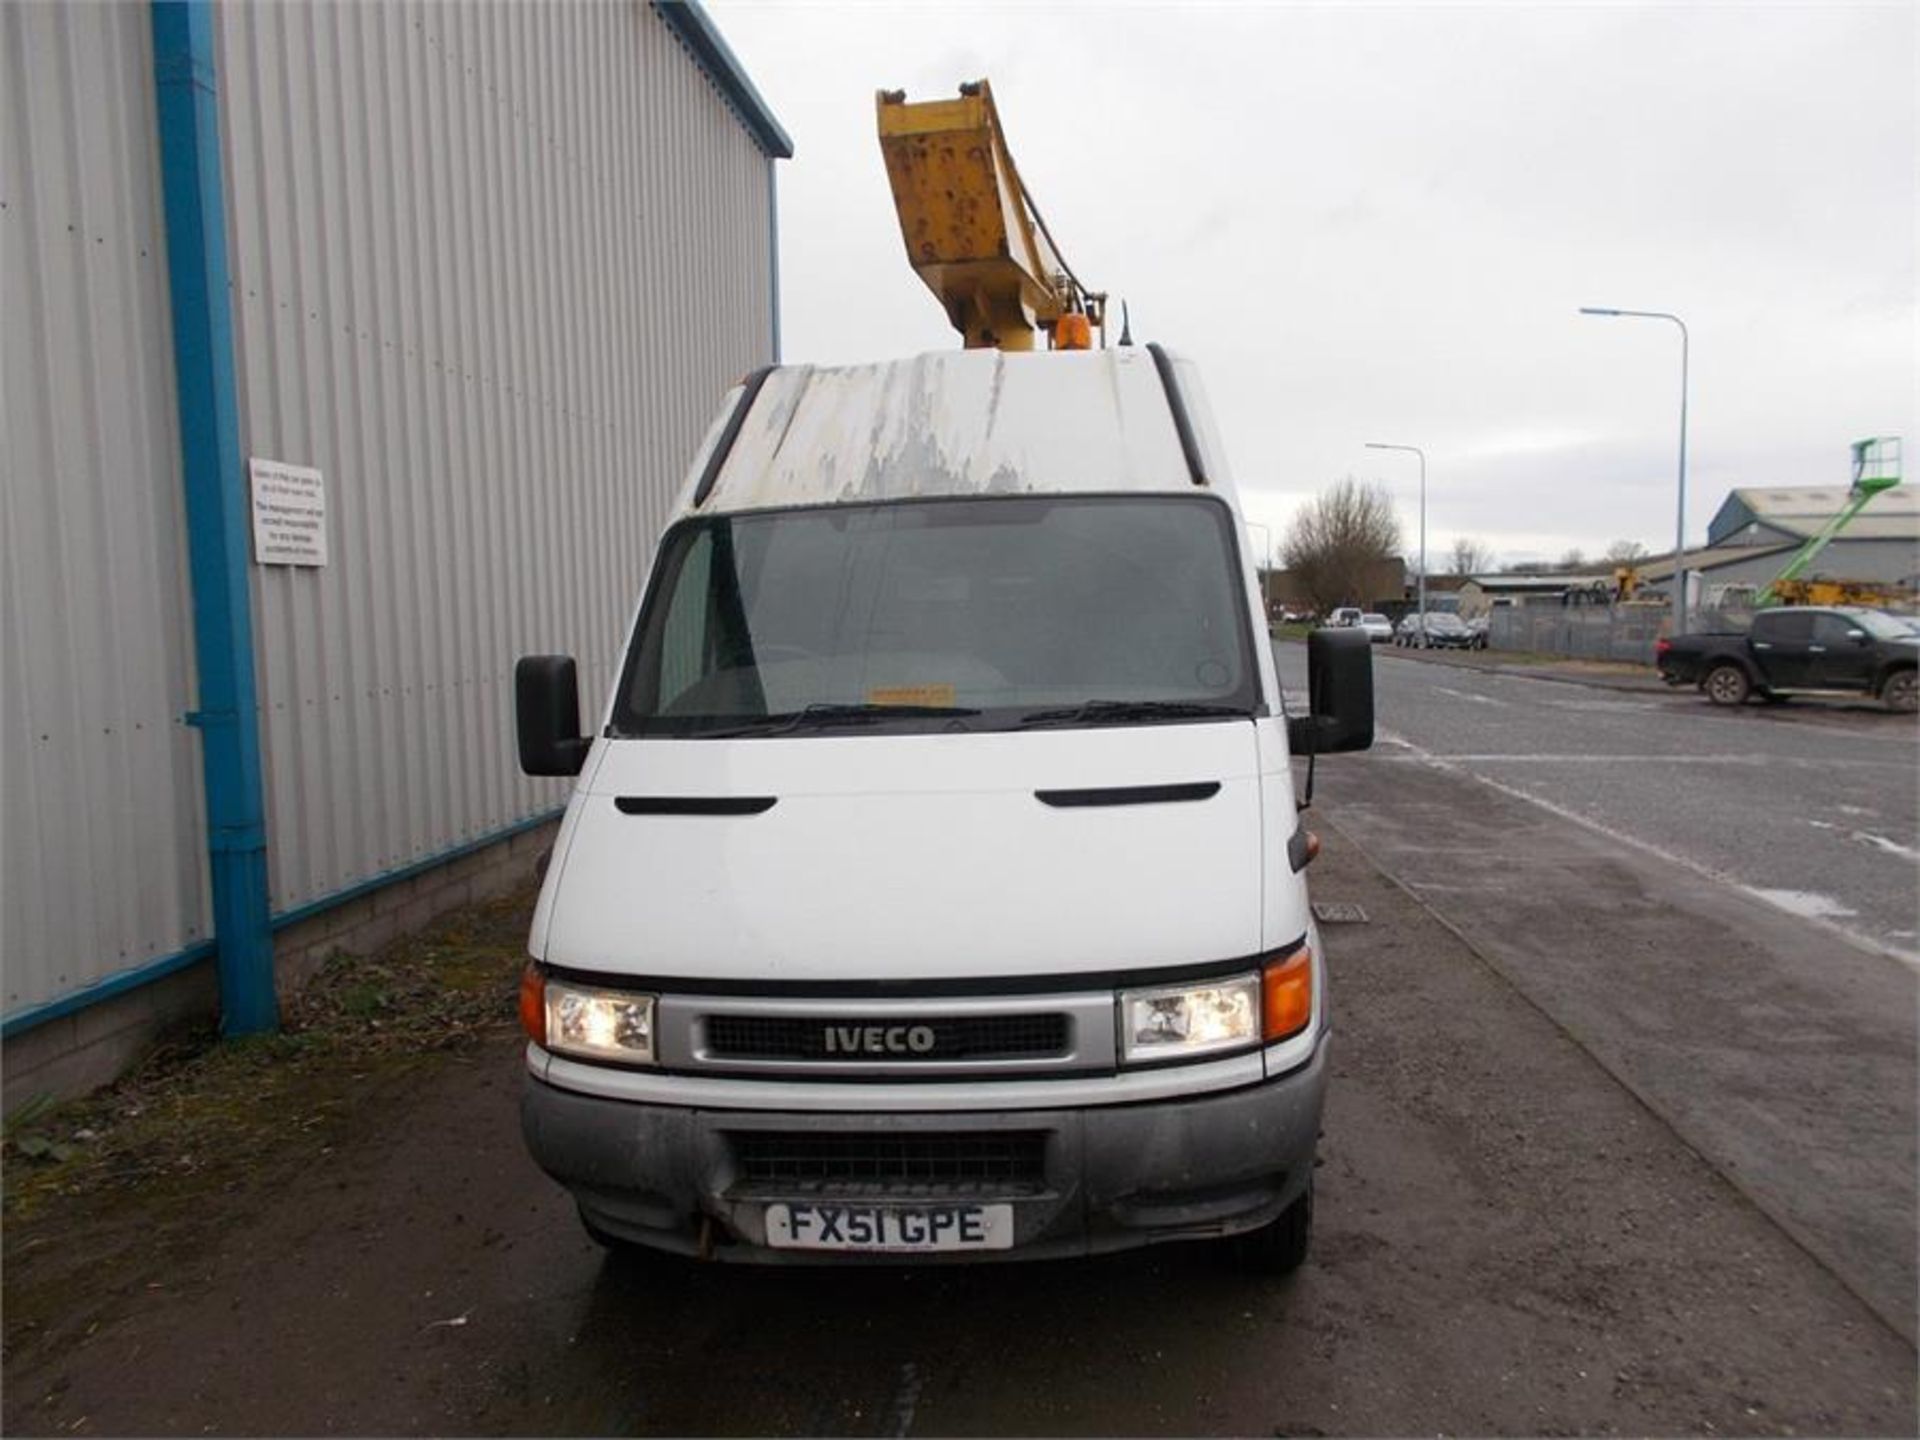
1435 631
1792 651
1478 628
1344 616
1379 629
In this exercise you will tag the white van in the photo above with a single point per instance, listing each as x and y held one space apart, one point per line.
932 886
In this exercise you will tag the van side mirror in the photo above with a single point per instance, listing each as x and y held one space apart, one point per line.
1339 695
546 703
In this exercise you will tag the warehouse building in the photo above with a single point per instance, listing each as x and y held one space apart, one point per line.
1881 544
351 352
1757 530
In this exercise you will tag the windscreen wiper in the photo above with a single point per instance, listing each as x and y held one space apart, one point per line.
1119 712
825 714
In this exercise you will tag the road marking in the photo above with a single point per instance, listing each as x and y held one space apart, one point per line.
1780 762
1481 759
1808 904
1881 842
1476 699
1448 764
1603 707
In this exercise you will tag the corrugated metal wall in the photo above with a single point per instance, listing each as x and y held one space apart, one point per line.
103 855
495 266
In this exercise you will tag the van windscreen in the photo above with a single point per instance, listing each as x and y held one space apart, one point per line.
938 614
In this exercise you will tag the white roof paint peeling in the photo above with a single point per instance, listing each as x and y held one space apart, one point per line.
977 422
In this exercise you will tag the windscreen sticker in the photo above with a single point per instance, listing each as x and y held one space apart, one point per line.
930 695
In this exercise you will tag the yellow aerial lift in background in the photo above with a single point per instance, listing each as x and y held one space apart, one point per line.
972 230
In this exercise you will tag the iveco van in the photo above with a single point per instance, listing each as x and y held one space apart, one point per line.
932 887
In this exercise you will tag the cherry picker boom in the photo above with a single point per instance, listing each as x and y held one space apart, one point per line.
972 231
1876 467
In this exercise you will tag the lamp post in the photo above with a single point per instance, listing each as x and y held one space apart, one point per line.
1266 537
1266 571
1416 450
1680 523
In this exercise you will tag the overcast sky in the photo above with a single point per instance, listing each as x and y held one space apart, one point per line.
1378 223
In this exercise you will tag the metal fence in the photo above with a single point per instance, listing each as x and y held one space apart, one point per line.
1583 632
1596 632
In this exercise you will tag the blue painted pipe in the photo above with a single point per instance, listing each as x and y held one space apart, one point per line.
187 102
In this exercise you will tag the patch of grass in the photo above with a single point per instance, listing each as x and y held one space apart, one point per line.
118 1182
209 1109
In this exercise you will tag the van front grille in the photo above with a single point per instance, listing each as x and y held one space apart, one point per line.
974 1162
907 1040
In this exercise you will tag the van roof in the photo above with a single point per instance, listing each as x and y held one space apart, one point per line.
957 423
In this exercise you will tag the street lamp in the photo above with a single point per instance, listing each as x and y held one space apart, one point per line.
1680 524
1415 449
1266 571
1268 537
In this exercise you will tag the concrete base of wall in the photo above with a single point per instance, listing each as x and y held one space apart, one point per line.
72 1054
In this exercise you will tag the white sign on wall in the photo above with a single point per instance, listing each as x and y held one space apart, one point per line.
289 514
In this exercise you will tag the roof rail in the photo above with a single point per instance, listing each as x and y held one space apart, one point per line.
723 447
1182 424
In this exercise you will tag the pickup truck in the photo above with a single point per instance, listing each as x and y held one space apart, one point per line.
1794 651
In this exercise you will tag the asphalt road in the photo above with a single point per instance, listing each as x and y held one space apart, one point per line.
1611 1147
1620 858
1813 807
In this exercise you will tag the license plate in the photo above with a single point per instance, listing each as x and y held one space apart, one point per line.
890 1229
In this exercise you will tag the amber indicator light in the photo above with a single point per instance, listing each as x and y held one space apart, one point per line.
533 1004
1286 995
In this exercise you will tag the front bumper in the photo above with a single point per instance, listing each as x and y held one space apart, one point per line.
1112 1177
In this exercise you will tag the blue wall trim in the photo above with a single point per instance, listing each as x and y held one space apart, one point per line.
413 868
690 21
187 112
21 1021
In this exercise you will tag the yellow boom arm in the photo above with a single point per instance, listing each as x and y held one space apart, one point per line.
970 227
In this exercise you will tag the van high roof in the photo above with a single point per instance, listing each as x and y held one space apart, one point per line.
956 423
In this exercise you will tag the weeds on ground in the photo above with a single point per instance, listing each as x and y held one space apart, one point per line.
201 1114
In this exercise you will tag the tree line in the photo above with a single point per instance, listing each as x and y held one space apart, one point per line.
1338 542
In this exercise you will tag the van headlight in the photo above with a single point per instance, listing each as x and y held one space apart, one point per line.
1183 1021
599 1024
